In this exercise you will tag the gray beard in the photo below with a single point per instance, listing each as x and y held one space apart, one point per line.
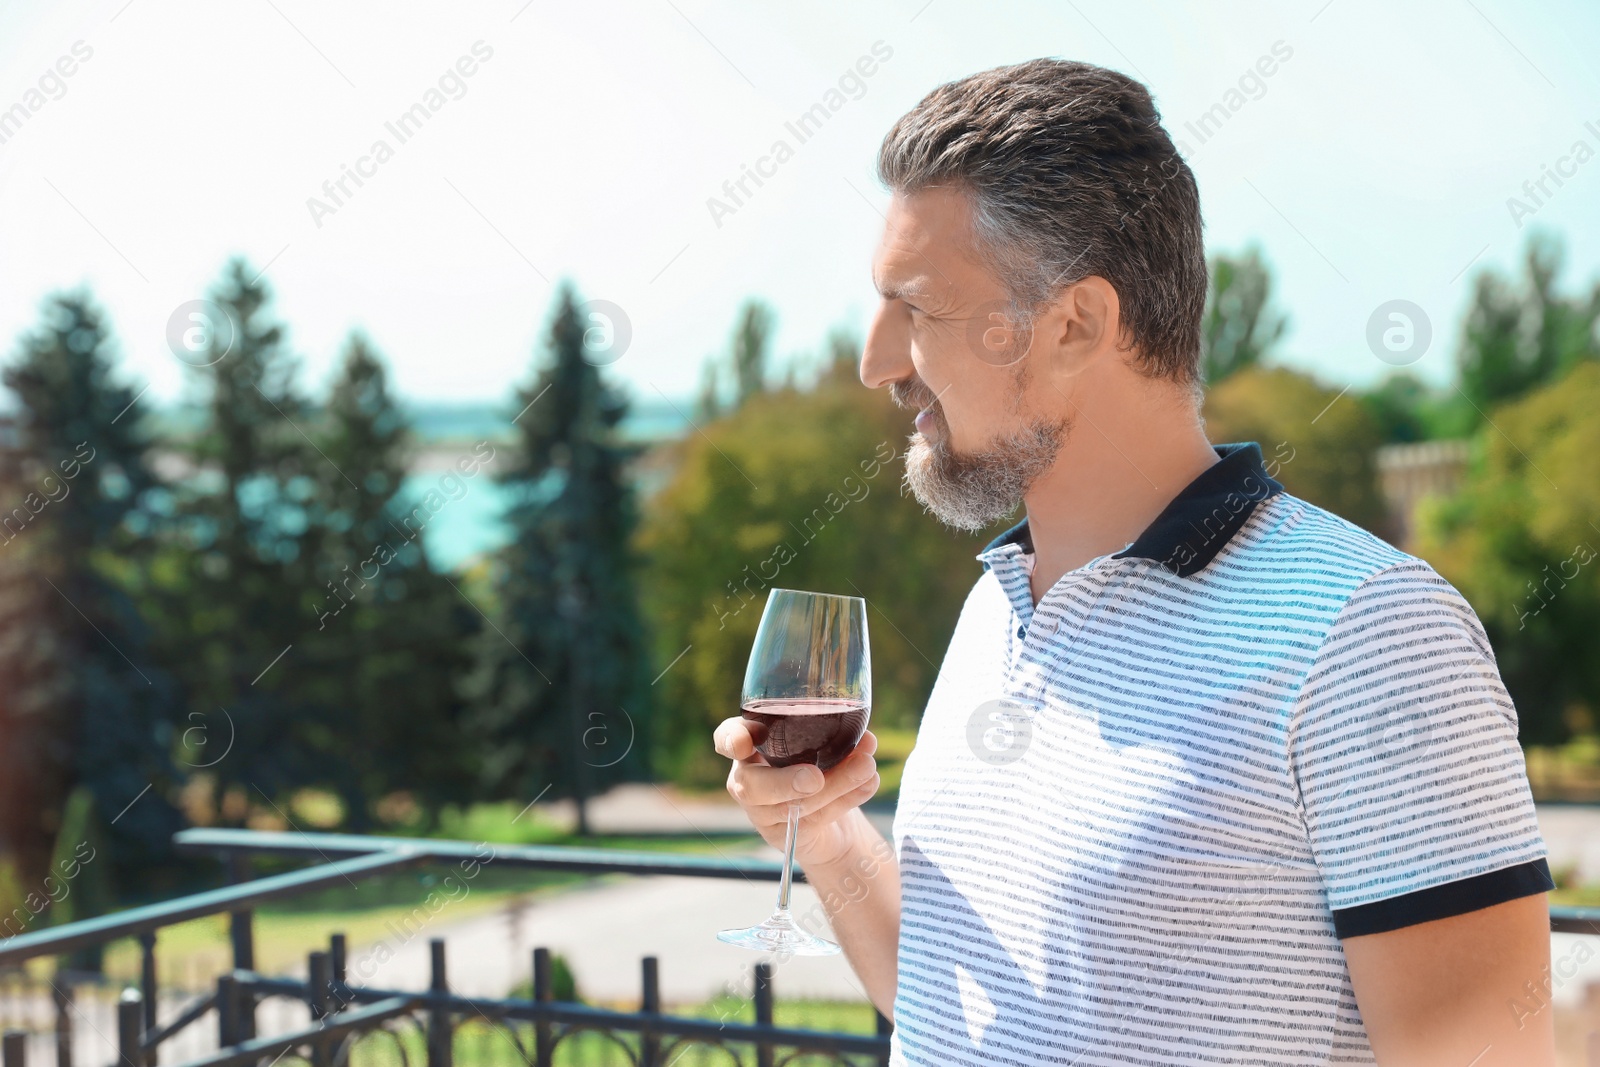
970 492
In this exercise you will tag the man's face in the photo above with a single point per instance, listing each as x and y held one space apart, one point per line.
943 344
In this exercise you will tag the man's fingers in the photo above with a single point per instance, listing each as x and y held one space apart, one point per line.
840 806
732 738
765 793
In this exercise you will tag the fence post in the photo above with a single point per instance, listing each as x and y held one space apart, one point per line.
147 987
884 1028
62 994
228 1033
321 973
439 1035
543 1051
319 976
338 955
763 1010
16 1048
130 1017
650 1004
241 932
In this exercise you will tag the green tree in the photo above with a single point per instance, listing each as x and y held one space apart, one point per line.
1521 541
1239 329
752 341
748 364
1320 445
390 640
560 686
84 699
799 489
1520 335
239 586
1404 408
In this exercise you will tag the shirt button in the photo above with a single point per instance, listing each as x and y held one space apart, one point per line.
1022 631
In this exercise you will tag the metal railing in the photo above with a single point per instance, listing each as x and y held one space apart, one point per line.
342 1013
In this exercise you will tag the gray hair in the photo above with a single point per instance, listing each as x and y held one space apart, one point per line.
1070 174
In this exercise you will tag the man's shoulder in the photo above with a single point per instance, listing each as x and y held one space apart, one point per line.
1363 585
1324 551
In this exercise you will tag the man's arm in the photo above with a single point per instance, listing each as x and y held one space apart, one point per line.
1471 989
861 893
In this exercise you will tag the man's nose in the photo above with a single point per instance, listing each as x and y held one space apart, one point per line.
886 354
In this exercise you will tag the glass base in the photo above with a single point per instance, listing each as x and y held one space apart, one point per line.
779 935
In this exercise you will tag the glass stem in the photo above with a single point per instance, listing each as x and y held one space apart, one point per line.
788 856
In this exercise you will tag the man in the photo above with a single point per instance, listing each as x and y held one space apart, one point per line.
1208 775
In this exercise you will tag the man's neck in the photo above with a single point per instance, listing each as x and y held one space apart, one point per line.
1103 491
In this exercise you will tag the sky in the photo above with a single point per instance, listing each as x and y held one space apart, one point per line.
590 142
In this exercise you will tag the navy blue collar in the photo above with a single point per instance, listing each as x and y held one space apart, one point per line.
1196 523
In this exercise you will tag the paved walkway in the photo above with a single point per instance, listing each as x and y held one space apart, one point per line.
605 927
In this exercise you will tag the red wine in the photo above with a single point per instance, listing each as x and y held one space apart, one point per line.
808 731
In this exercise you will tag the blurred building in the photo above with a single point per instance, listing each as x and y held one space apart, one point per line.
1408 473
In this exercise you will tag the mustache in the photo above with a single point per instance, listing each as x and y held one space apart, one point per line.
912 394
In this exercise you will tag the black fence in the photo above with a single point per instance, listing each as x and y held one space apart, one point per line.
351 1025
403 1027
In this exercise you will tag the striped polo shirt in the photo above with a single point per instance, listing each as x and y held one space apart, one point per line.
1140 815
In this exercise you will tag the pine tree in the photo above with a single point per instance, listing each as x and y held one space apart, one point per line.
391 637
245 556
561 678
88 704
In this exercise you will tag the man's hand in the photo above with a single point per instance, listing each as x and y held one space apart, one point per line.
825 797
1469 989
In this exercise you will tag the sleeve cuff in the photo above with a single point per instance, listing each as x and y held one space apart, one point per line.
1443 901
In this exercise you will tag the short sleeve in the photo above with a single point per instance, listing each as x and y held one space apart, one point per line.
1403 745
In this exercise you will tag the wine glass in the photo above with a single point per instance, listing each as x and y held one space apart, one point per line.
809 684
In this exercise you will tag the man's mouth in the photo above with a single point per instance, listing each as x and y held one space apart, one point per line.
927 419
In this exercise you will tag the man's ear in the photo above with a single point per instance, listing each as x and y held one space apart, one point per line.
1082 326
